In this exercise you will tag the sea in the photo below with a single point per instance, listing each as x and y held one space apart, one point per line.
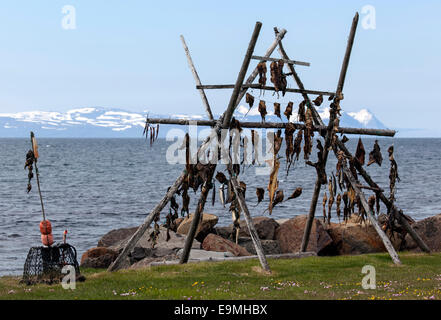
91 186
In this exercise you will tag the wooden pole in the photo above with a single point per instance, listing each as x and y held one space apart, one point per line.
264 59
243 70
253 233
120 260
258 86
274 125
329 134
226 124
389 247
391 207
196 79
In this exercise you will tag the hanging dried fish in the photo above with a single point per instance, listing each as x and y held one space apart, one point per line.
377 202
221 177
235 215
325 200
360 152
375 155
346 210
371 203
29 165
334 184
318 101
319 167
260 192
262 110
393 174
249 99
331 97
277 76
273 183
213 196
277 110
298 144
288 110
352 168
222 195
330 203
344 139
301 111
185 199
261 69
277 142
277 199
289 137
338 204
157 131
297 193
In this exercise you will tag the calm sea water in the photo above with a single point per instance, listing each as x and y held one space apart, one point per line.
91 186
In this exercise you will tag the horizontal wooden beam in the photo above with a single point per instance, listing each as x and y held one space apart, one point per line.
258 86
273 125
300 63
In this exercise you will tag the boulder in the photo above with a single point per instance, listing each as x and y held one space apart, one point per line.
269 246
99 257
429 230
113 237
355 238
290 234
265 227
205 226
224 232
214 242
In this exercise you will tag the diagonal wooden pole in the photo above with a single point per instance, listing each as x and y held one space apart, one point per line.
226 124
389 247
329 134
197 80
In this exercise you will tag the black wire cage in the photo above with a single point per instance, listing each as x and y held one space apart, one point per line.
45 264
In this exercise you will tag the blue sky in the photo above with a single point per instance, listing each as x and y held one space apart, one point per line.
127 54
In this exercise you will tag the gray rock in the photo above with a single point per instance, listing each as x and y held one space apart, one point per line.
112 238
198 254
269 246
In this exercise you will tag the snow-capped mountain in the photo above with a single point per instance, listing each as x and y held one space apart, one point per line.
102 122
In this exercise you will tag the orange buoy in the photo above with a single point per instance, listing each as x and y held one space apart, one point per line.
47 239
45 227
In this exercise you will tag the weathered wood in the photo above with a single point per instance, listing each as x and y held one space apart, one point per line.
263 59
391 207
253 74
253 233
227 116
120 260
243 70
258 86
389 247
197 216
197 79
274 125
370 188
296 255
329 132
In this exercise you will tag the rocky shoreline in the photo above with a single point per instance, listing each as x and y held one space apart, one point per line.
278 237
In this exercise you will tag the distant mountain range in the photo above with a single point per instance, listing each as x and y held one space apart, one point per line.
113 123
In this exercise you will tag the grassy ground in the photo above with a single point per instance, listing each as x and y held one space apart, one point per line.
309 278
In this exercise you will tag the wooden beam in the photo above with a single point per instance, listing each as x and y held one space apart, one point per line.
329 133
389 247
264 59
274 125
269 88
253 233
197 80
240 78
121 259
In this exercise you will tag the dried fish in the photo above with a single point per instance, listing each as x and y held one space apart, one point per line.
222 195
30 158
289 137
277 199
371 203
318 101
277 76
325 200
297 144
375 155
346 210
261 69
273 183
338 204
360 152
330 203
288 110
277 110
260 192
301 111
297 193
249 99
221 177
344 139
277 142
393 174
262 110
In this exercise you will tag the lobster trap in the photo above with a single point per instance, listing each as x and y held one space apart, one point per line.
45 264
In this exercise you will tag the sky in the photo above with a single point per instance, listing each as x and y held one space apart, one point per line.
127 54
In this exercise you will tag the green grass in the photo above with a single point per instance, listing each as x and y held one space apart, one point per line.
309 278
